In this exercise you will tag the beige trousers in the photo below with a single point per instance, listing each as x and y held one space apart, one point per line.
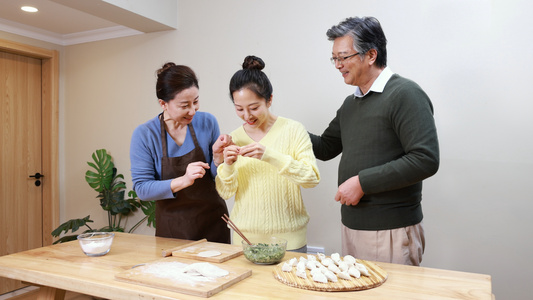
400 246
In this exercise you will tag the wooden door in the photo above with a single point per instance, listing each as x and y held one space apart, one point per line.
49 111
21 221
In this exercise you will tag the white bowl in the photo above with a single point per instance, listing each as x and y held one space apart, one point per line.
96 243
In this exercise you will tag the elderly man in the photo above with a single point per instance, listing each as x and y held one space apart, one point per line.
388 140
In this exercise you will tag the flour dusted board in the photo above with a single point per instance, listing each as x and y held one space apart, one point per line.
144 275
195 251
376 278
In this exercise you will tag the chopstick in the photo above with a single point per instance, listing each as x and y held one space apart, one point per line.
234 227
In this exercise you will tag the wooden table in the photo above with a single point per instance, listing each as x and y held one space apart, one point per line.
64 267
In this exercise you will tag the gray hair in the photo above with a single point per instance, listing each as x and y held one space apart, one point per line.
366 33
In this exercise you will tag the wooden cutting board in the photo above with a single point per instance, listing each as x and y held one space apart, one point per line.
195 249
376 278
166 279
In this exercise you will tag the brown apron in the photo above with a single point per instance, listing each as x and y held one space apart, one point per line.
195 212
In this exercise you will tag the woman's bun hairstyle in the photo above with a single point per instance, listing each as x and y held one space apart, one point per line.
251 77
253 63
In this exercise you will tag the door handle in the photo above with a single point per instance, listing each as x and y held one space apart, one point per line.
37 176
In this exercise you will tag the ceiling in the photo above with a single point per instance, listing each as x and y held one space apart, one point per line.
68 22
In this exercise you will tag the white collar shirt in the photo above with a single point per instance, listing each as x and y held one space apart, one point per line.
379 84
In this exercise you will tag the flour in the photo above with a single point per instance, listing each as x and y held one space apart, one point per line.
95 247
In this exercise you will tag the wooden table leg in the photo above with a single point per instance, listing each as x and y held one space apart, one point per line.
50 293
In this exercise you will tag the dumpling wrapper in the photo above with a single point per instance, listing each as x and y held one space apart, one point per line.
206 270
209 253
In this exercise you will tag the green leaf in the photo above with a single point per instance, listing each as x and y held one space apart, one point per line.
66 238
104 178
104 173
148 208
71 225
111 229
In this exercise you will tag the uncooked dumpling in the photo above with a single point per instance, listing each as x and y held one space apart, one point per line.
362 269
321 256
327 261
354 272
343 266
331 276
344 275
311 264
333 268
293 261
336 257
287 267
349 259
301 273
319 277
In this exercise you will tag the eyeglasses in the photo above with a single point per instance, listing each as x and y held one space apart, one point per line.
341 59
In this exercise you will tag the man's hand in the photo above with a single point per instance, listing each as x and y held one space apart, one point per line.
350 192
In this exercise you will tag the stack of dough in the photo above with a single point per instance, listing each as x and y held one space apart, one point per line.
323 269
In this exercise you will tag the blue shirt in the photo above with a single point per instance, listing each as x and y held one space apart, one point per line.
146 153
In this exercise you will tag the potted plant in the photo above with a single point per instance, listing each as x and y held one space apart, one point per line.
111 191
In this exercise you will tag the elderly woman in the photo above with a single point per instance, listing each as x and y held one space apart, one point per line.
173 161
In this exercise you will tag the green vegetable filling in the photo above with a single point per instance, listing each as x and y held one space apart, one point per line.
265 253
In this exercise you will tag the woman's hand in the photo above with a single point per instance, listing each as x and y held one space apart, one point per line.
254 150
222 142
230 154
194 171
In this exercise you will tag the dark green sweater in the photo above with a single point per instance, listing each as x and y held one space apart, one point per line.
389 139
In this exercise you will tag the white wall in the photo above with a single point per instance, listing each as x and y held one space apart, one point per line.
473 58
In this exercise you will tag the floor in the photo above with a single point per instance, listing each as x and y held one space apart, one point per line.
18 292
29 293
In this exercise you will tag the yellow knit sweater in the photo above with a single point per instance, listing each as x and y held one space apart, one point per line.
268 201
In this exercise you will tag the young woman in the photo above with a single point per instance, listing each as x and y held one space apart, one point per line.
272 157
172 161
